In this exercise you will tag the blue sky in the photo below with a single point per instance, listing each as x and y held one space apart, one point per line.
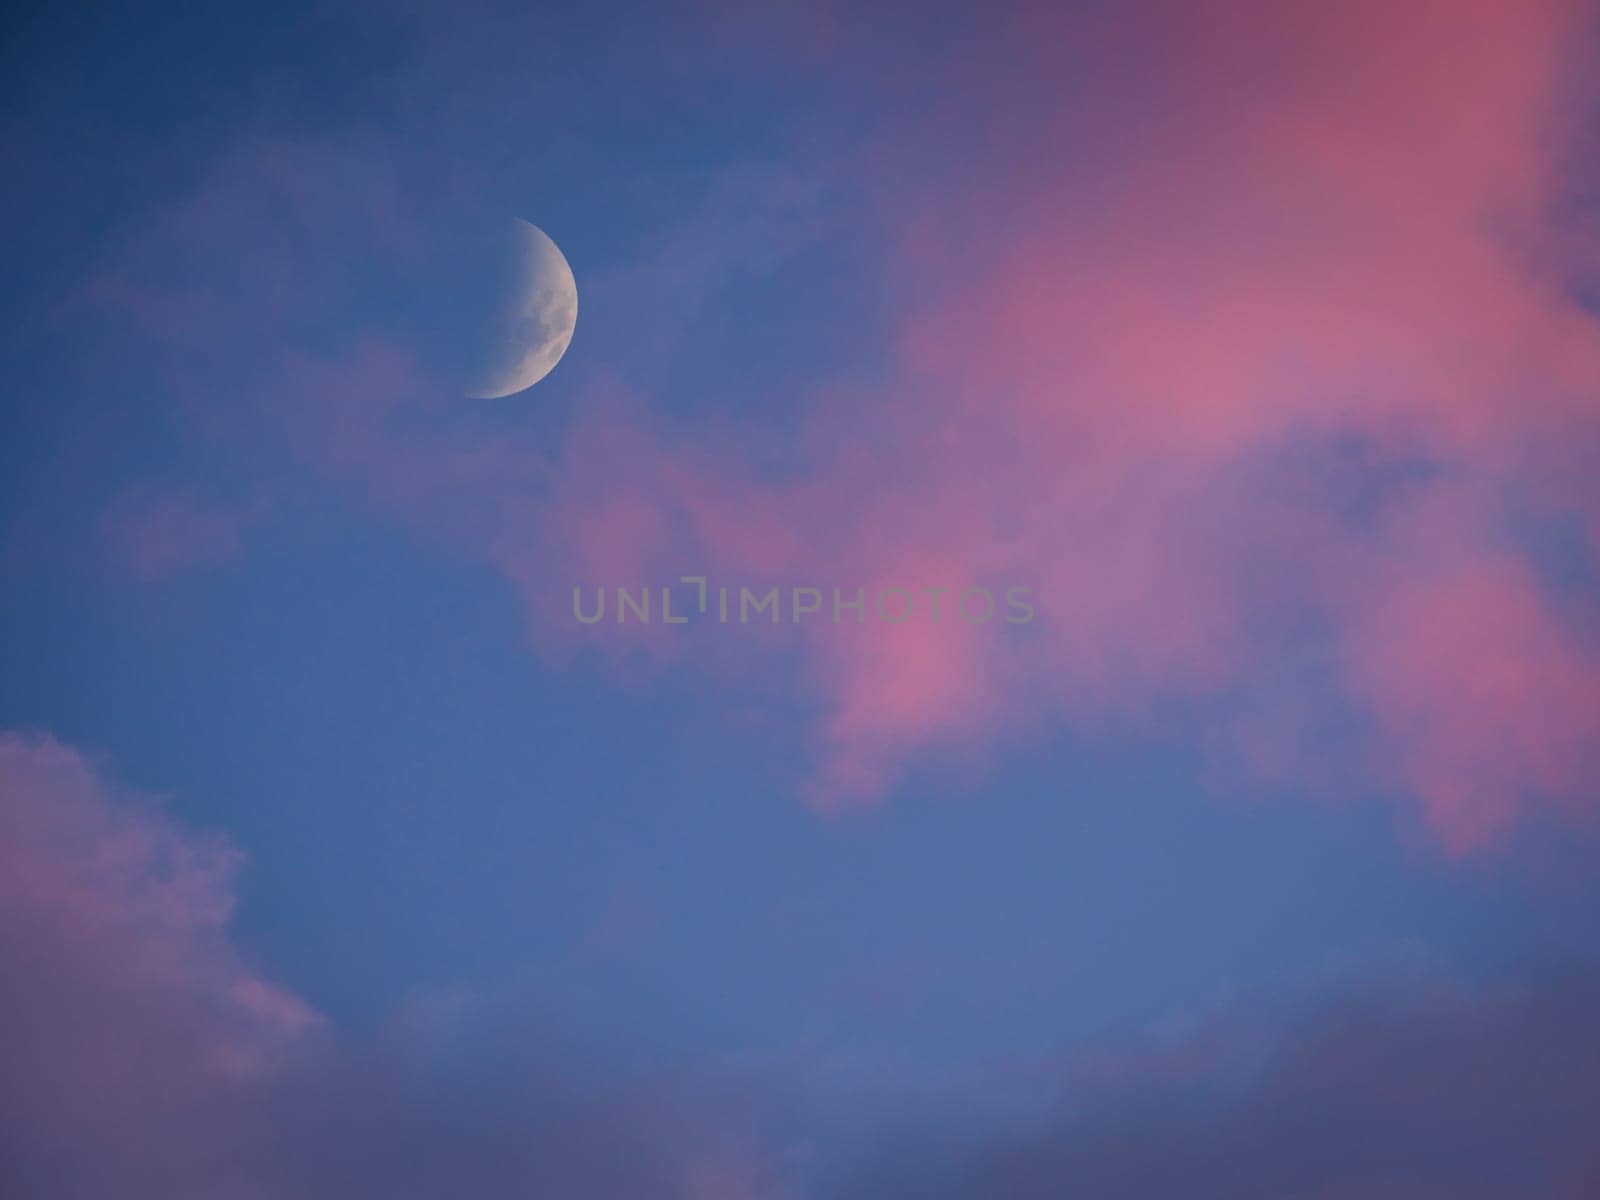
1091 300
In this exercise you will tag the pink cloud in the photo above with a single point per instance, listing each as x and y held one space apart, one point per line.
1236 332
1248 233
1487 694
130 1025
144 1057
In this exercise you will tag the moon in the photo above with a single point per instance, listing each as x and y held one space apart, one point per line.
532 327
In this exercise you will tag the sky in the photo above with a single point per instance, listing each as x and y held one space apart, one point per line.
1201 400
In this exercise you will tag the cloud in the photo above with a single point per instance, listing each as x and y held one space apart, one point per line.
1248 336
131 1029
1411 1090
1236 332
145 1057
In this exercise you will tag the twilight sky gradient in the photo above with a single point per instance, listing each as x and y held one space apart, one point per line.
1259 340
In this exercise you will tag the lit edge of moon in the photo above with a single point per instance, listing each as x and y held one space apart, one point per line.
540 318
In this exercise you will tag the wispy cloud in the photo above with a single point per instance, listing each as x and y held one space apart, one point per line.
145 1057
1238 338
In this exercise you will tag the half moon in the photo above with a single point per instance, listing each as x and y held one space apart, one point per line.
533 328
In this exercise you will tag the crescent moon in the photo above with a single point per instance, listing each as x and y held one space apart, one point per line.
534 328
